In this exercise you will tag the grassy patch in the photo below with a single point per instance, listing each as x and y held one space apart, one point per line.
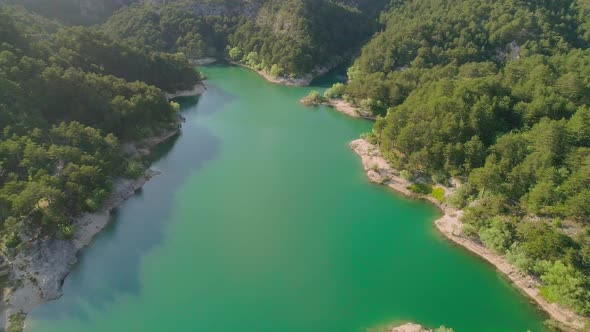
438 193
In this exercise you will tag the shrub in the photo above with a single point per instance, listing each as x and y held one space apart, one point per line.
444 329
235 54
406 175
420 188
275 70
336 91
498 236
566 285
460 197
314 98
16 322
438 193
469 230
134 169
518 257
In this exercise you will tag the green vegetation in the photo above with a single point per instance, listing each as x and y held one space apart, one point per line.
314 98
291 38
17 323
283 38
81 12
443 329
174 27
67 101
336 91
438 193
420 188
494 93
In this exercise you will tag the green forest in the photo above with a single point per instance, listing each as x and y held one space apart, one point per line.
69 97
283 38
494 95
292 38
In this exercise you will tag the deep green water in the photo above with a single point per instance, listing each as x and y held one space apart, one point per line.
263 220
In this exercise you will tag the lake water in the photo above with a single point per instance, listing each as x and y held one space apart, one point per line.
264 221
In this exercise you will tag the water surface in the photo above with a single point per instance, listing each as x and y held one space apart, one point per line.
263 221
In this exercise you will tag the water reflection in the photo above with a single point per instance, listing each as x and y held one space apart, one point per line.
110 266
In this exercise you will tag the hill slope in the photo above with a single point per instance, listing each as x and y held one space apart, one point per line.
494 94
78 12
292 38
284 38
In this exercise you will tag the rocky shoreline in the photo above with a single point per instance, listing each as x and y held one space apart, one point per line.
42 267
379 171
197 90
345 107
408 327
202 61
300 81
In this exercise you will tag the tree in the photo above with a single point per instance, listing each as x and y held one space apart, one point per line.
314 98
336 91
498 236
235 54
565 285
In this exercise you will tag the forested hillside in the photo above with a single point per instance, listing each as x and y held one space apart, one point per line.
492 94
293 37
68 98
495 94
79 12
287 38
198 29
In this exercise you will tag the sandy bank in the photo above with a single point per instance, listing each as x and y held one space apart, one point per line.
345 107
197 90
379 171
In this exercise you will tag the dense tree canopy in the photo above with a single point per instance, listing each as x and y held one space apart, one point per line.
68 98
497 95
81 12
291 38
287 38
173 27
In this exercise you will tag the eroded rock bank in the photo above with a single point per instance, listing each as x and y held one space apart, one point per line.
45 263
305 80
379 171
345 107
40 269
197 90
